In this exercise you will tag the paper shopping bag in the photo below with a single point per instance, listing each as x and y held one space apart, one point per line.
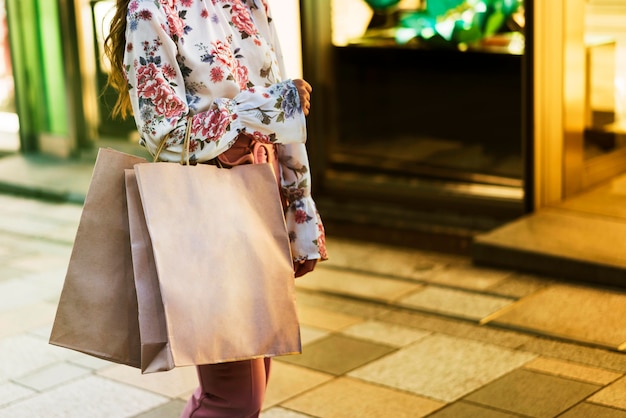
155 351
223 261
97 310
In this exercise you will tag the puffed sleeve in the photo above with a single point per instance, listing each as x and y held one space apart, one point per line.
158 97
306 231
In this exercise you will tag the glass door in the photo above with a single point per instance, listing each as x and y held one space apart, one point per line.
579 99
604 145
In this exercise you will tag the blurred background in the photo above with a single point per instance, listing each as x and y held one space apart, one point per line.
434 121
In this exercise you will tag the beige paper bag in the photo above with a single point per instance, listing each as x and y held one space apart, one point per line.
222 254
97 311
155 350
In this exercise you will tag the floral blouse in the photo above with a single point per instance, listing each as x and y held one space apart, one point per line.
219 60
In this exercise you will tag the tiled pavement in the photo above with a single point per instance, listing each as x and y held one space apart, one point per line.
387 332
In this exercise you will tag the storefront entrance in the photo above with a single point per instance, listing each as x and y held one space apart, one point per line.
578 226
406 141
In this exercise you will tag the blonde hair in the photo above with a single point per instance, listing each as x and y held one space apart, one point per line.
114 48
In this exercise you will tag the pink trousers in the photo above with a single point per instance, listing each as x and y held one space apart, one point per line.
229 390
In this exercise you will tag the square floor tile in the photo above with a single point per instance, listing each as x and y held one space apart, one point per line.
325 319
455 303
533 394
462 409
385 333
10 392
443 367
282 413
92 397
519 285
287 381
350 398
356 284
338 354
309 334
612 395
376 258
587 410
89 362
17 293
51 376
26 318
573 371
468 277
171 383
23 354
576 313
169 410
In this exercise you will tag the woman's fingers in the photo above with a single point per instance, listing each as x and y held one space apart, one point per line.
304 91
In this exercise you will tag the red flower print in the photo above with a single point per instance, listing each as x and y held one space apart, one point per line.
301 216
145 15
222 53
241 75
212 125
204 14
169 72
132 7
186 3
148 80
321 240
217 74
260 137
129 47
176 24
242 19
167 103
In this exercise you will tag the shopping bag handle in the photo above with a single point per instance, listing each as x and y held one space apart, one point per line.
184 155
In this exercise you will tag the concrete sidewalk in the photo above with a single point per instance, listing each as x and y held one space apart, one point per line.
387 332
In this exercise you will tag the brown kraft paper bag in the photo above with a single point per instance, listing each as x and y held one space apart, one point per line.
97 310
155 351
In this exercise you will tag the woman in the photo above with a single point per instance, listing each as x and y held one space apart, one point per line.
218 61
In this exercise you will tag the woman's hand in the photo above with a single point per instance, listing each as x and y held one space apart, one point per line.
304 91
301 268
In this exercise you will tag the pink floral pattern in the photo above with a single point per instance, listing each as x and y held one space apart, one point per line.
219 60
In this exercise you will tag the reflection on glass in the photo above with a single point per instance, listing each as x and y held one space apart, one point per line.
605 44
412 109
456 22
448 24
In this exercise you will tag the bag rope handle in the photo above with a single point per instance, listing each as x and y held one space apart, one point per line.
161 147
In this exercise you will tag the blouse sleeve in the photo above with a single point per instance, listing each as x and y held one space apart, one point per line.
306 231
157 91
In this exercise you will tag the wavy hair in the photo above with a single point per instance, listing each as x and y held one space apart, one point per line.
114 48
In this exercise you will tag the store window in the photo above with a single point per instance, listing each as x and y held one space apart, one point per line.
430 88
